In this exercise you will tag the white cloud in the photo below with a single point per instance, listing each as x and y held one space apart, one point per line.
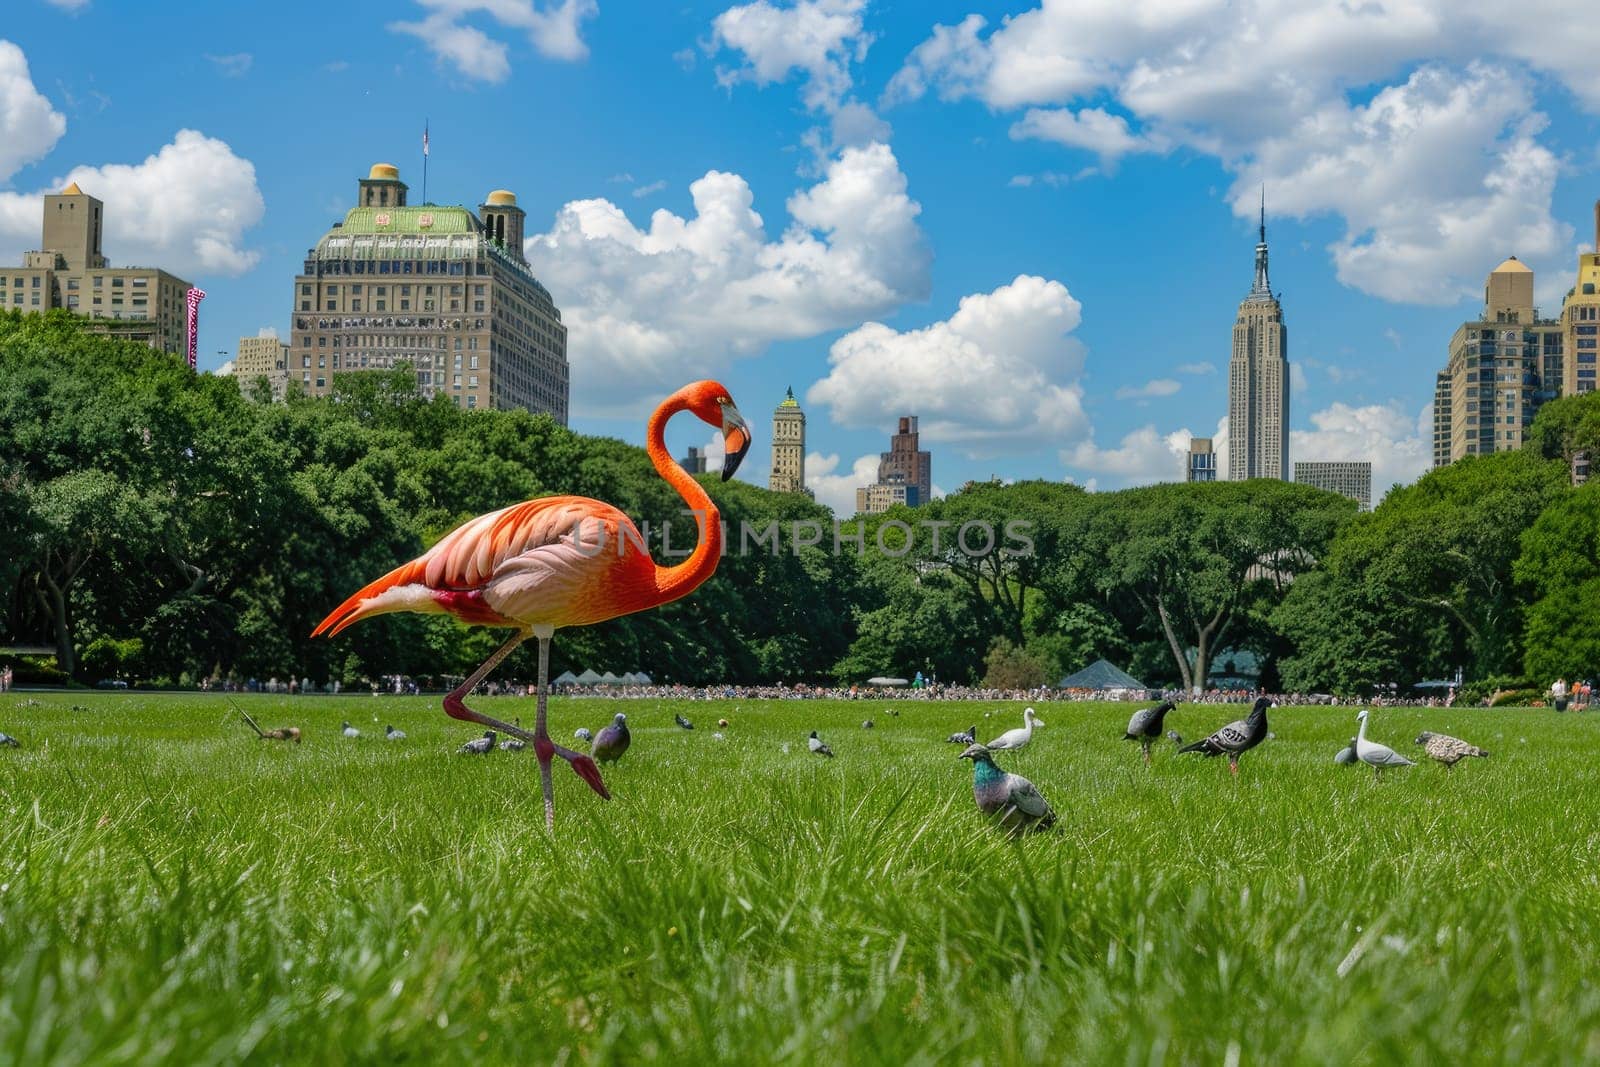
236 65
649 190
1055 179
554 30
818 38
1144 456
185 208
29 126
1154 388
650 309
72 6
1001 372
836 489
1204 367
1297 378
1415 122
1091 128
1399 446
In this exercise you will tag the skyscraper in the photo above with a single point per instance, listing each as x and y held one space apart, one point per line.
1350 479
1200 464
1502 368
905 473
441 288
262 356
144 304
1580 320
1258 380
788 447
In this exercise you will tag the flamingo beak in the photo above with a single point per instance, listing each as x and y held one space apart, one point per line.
735 440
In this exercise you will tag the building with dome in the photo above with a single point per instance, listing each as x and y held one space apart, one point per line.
69 270
441 288
788 447
1502 367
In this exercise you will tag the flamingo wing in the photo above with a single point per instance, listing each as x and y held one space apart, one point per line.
558 561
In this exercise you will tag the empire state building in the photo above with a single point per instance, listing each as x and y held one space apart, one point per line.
1258 381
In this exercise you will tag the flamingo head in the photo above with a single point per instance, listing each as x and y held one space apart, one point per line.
712 405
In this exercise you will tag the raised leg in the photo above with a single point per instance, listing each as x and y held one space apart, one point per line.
543 747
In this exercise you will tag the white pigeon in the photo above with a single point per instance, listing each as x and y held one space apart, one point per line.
1375 755
1012 740
351 731
818 745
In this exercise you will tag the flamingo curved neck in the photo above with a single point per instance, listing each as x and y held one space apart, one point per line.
678 581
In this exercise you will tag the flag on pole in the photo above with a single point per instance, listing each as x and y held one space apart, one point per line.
424 139
195 296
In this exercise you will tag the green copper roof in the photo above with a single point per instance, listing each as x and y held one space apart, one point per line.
409 220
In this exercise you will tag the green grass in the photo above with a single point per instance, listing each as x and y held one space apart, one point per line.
172 890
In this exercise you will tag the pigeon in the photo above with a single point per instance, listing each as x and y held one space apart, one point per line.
681 721
1010 799
819 746
893 713
392 734
513 744
611 742
582 734
1237 737
1347 754
1375 755
1175 737
7 741
1446 749
1145 726
718 737
867 725
722 723
1012 740
285 733
479 746
969 737
350 731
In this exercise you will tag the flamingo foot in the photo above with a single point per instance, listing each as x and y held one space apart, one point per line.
582 765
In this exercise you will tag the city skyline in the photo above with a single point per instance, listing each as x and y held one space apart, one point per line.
719 194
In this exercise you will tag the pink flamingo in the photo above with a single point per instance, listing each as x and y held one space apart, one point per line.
553 562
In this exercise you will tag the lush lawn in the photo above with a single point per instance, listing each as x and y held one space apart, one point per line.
173 890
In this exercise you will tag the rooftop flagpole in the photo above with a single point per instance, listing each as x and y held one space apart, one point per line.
424 161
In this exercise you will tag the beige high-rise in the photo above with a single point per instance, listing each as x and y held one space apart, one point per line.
262 357
1580 321
788 447
440 288
1351 479
1258 381
1502 367
143 304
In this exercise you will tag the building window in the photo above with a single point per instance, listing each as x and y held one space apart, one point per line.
383 305
472 402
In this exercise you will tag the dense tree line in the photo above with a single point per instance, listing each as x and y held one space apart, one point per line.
159 525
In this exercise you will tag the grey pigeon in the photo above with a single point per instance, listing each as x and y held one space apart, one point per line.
1145 726
1175 737
1444 748
867 725
611 742
681 721
1237 737
350 731
1347 755
1010 799
968 737
1375 755
394 735
479 746
7 741
582 734
819 746
513 744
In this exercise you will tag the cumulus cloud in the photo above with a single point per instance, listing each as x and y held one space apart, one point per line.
817 38
1204 367
1001 372
652 308
836 488
554 30
186 208
29 126
1399 446
1144 456
1153 388
1414 123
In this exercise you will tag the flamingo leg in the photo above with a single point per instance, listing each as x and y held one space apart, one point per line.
1233 765
1145 743
543 747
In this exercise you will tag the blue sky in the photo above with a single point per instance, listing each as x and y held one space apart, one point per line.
1030 226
